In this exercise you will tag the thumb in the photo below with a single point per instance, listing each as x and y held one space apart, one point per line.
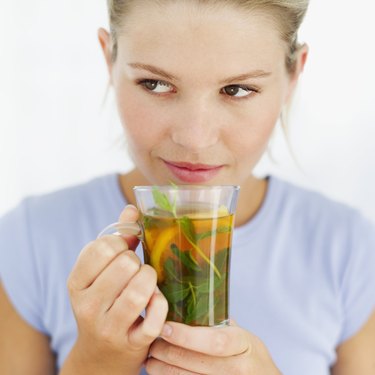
130 214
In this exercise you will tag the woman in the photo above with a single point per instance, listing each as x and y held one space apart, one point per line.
199 87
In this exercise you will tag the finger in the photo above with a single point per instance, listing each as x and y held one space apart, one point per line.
194 361
150 328
134 298
216 341
156 367
93 259
130 214
113 279
184 358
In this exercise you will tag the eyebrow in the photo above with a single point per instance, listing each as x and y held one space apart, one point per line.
245 76
242 77
154 69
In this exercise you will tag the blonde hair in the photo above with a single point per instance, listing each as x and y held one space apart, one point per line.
288 15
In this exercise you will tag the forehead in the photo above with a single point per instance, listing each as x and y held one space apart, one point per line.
182 34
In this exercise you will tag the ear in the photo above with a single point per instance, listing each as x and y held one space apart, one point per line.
105 42
301 58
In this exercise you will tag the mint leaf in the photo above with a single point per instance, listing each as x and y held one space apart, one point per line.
204 288
161 200
189 232
222 229
173 184
157 211
185 257
170 269
175 312
222 259
202 308
188 229
197 310
190 310
175 292
149 222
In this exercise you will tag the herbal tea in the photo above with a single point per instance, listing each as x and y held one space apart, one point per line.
190 253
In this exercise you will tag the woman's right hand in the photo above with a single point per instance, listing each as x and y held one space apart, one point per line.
109 288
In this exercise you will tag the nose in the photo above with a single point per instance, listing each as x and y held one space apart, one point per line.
196 126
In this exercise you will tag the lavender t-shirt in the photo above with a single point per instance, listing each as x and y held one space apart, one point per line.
302 272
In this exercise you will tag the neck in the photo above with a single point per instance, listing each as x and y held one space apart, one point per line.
251 197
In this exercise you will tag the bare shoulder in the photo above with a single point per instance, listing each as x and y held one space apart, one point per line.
23 350
357 354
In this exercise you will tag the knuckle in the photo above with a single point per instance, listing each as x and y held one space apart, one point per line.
127 263
70 284
108 246
150 271
87 306
150 333
136 299
123 263
103 248
163 306
176 354
133 258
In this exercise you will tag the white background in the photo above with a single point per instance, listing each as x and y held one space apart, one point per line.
55 132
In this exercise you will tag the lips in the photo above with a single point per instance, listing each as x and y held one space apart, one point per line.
193 173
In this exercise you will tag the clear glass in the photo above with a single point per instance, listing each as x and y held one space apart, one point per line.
186 233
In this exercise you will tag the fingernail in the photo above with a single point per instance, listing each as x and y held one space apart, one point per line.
167 330
132 207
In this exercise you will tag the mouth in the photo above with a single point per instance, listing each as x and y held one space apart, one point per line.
193 173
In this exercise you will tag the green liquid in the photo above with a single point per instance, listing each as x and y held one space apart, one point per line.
191 256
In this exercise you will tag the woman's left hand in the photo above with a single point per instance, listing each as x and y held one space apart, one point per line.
185 350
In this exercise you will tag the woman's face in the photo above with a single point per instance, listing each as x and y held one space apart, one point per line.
199 91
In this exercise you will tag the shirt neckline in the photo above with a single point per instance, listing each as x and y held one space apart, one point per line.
263 212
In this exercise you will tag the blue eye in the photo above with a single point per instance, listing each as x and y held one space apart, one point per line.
156 86
237 91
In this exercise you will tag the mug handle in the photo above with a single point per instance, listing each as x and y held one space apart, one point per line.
133 229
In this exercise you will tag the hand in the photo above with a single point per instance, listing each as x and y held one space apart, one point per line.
109 288
185 350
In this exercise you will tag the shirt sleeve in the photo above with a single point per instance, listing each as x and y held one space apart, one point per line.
18 271
358 283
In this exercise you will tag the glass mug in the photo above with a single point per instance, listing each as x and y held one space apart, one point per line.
186 234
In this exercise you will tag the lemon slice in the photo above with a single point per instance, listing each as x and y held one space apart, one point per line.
161 244
222 211
219 212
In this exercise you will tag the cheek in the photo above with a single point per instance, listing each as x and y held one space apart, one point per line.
141 124
251 135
